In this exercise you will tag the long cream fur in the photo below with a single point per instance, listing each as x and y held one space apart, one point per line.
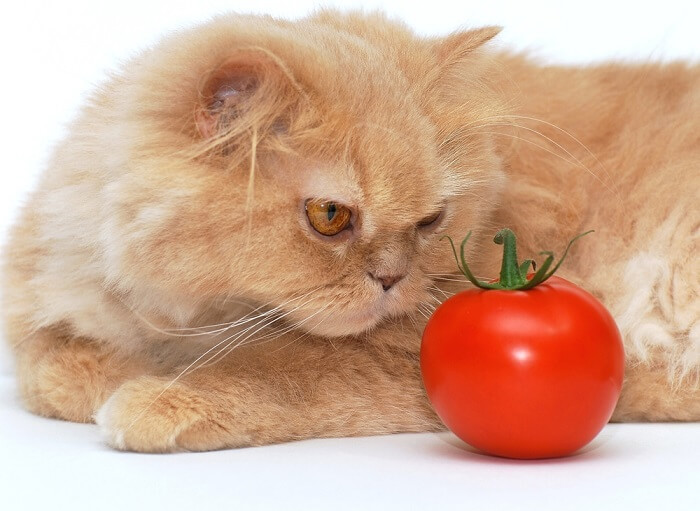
163 279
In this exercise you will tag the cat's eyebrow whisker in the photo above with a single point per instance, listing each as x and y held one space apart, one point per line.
515 137
576 163
562 130
474 125
568 153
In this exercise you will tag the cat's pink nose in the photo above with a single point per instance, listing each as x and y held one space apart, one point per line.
387 281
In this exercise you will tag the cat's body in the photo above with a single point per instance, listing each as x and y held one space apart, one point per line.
178 203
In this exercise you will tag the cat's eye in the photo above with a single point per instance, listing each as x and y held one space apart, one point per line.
430 220
327 217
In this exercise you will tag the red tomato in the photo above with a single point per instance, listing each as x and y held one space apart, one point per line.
523 374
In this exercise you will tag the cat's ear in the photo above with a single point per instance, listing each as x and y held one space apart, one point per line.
460 46
249 89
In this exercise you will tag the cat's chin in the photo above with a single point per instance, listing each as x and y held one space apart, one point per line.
347 323
344 322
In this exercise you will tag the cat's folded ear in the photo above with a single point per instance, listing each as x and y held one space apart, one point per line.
461 47
250 90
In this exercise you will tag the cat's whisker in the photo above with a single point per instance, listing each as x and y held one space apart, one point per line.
434 284
192 364
435 298
445 296
458 276
218 325
245 341
174 380
171 332
244 319
461 281
420 311
444 293
228 326
413 322
430 305
225 326
234 342
308 332
266 338
296 325
233 339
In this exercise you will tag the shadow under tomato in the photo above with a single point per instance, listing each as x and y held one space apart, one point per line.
452 447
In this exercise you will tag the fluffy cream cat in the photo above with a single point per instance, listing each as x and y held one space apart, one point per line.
238 242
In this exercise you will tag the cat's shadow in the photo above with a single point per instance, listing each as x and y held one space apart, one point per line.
451 447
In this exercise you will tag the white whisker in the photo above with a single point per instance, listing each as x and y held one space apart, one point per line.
200 357
235 343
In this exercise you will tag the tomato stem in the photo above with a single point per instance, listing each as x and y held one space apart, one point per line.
513 276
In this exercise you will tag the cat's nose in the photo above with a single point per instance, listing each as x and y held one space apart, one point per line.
387 281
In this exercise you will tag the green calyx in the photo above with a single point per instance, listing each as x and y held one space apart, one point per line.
513 275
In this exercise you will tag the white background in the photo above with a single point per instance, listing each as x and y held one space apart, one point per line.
53 53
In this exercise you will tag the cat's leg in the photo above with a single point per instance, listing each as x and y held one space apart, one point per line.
68 378
270 394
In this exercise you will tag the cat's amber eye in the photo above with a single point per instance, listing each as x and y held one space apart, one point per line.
327 217
429 220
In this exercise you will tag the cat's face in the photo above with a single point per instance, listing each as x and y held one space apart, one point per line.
303 167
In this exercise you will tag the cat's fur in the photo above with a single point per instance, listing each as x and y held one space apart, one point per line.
161 213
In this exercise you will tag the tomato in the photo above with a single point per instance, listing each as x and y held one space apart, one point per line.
530 373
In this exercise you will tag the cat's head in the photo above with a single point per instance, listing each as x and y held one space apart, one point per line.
312 166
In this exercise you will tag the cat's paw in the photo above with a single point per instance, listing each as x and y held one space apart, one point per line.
67 383
151 414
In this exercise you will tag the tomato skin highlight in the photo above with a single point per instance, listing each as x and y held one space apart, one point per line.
523 374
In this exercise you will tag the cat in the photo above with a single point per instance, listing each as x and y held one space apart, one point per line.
238 242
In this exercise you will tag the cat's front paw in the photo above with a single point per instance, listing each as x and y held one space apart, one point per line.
152 414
